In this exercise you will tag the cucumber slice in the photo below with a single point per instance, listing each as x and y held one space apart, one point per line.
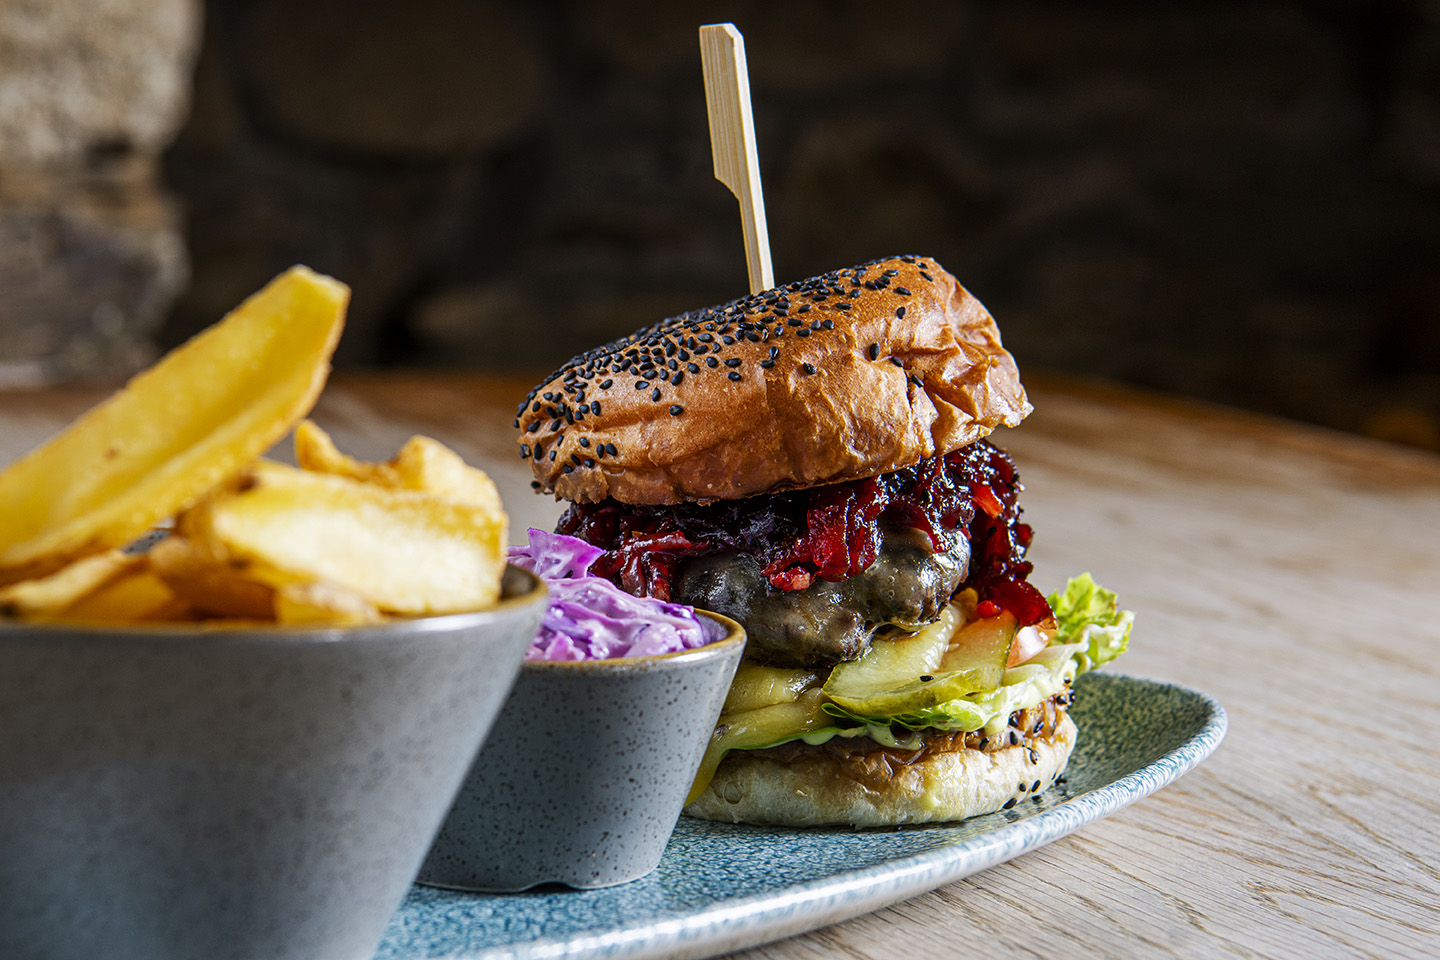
945 661
756 685
762 727
981 644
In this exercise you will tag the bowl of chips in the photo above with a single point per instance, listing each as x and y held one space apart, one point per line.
236 696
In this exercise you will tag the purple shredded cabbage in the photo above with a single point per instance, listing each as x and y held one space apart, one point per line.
592 619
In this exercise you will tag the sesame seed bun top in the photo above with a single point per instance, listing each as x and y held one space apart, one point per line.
846 375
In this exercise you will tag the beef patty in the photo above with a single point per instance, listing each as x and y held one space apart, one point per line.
907 585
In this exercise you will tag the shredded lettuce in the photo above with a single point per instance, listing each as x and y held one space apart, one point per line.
592 619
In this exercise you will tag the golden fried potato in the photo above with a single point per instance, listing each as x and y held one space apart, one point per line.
405 551
50 595
200 415
422 464
323 604
209 584
135 597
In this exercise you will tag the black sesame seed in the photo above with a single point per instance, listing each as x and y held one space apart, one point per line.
1008 804
675 380
552 456
802 332
595 407
575 459
655 394
1035 785
568 469
766 364
727 340
554 425
606 384
900 313
874 351
524 451
584 441
897 361
926 678
692 368
589 462
774 352
842 306
711 362
927 276
533 427
804 308
610 449
733 362
641 384
535 484
902 291
733 375
676 409
808 367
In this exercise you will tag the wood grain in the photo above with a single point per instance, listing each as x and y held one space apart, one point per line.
1292 573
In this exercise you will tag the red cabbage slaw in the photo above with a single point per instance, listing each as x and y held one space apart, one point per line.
592 619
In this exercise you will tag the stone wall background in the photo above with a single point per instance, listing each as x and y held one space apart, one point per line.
91 255
1234 201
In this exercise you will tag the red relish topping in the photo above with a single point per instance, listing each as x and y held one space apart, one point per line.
831 532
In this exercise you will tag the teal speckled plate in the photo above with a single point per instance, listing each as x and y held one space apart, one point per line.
721 887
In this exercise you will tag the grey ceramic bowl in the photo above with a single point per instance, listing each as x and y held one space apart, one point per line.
583 778
176 792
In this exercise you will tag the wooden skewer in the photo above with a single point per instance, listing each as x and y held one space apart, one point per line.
732 140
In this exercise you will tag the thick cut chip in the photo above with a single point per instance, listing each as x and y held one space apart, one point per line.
203 413
323 604
136 597
422 464
208 584
49 595
405 551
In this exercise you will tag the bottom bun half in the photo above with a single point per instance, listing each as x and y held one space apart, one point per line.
811 790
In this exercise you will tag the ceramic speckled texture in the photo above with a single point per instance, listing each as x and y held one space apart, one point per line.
721 887
583 779
171 792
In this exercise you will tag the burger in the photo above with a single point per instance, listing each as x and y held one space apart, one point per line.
812 461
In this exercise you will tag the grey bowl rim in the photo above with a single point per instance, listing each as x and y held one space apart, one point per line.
253 634
734 634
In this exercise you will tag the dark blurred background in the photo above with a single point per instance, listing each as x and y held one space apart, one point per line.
1233 201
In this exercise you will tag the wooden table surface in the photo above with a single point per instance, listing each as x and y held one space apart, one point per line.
1292 574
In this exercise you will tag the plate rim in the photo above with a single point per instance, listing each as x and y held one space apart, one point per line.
735 923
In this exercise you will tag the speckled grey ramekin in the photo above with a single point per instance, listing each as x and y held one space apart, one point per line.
582 779
172 792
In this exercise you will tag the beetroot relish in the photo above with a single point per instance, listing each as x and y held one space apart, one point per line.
830 532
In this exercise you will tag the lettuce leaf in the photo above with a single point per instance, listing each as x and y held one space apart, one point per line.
1088 613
